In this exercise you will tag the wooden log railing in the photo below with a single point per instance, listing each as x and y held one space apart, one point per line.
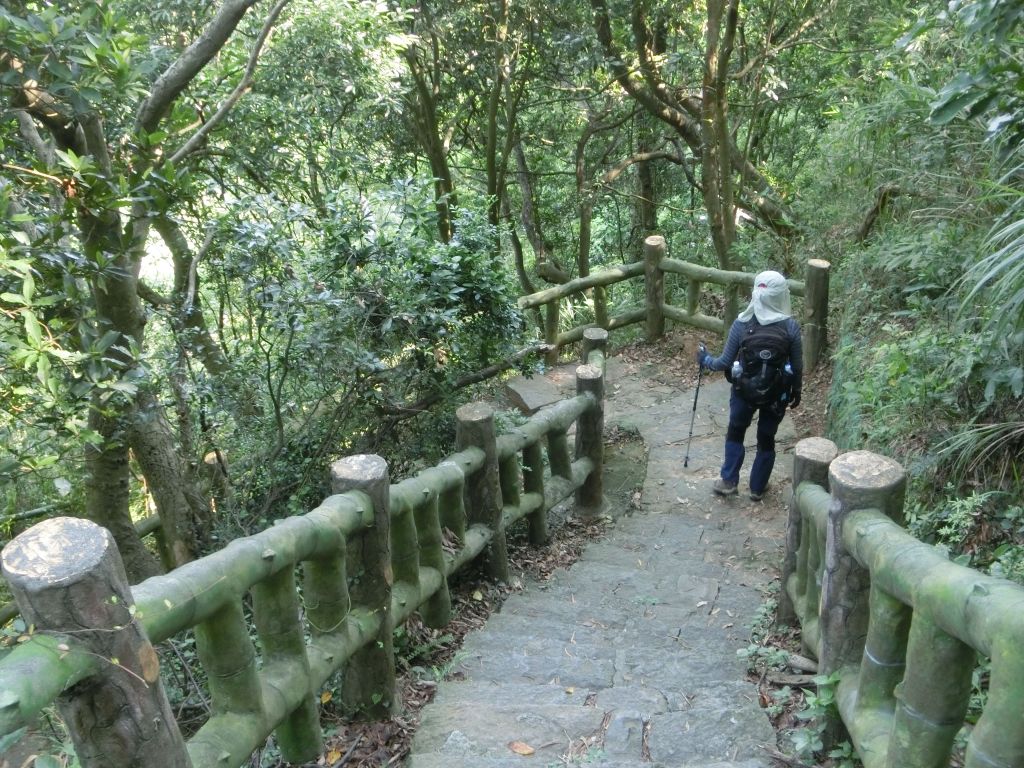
813 289
900 624
370 555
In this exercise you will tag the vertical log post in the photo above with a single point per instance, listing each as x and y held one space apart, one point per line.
997 737
227 654
810 463
590 439
405 547
67 576
369 685
815 331
437 611
885 651
810 638
551 332
276 616
858 480
559 459
475 427
325 592
692 297
654 279
451 510
510 480
732 308
932 699
595 340
533 482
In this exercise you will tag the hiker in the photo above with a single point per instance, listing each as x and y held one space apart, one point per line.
763 359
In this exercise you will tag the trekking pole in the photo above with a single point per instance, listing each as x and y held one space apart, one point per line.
696 394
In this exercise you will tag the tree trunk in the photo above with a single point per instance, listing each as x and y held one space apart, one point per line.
428 133
716 159
182 513
684 114
647 203
106 492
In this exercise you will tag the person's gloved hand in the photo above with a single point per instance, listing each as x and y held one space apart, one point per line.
794 401
702 353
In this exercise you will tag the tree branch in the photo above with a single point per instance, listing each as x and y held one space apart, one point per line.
791 41
179 74
686 127
640 157
250 68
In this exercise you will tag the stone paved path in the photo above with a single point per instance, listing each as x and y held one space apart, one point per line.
629 658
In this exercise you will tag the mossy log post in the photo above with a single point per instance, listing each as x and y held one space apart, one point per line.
559 459
805 584
815 329
369 685
654 281
590 438
475 429
858 480
405 546
276 615
595 345
437 611
692 297
120 716
228 656
811 458
533 482
452 501
885 653
932 699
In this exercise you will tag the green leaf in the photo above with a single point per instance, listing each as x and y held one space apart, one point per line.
944 110
28 287
33 329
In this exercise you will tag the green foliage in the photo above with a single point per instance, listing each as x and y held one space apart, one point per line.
992 82
818 711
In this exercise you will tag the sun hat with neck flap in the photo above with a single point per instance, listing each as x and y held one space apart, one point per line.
769 302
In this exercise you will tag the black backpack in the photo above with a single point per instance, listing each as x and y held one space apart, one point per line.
763 354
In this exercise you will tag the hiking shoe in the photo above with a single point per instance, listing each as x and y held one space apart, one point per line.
723 487
757 495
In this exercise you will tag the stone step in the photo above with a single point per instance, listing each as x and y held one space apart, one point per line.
654 626
591 760
721 722
479 730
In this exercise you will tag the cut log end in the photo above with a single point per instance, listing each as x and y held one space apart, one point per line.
57 551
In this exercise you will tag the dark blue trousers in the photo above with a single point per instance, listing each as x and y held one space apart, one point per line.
741 413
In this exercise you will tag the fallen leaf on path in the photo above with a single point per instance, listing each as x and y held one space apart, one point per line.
520 748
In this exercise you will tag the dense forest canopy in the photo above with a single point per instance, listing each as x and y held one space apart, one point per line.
240 238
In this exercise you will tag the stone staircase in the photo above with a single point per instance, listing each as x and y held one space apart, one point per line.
629 658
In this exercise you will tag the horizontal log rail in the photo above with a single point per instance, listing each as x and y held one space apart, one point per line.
813 289
370 555
900 624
